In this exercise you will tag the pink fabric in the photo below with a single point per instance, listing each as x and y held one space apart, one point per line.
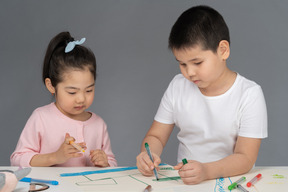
45 131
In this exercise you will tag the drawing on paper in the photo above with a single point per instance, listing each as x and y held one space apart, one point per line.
111 180
134 176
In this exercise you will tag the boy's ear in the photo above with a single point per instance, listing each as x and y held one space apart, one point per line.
224 49
49 86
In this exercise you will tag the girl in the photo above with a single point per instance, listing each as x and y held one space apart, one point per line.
69 73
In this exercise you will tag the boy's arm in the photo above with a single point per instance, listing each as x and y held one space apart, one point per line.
156 137
240 162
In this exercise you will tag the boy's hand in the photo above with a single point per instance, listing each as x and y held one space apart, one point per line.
67 151
145 165
191 173
99 158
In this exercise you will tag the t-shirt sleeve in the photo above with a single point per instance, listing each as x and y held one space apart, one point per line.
253 122
29 142
165 110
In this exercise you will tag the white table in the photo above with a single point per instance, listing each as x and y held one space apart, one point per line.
273 179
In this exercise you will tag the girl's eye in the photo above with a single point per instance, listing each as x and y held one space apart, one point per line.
183 64
71 93
88 91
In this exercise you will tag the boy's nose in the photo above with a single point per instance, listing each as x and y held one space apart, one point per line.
190 71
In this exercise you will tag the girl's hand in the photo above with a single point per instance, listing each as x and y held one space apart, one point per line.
67 151
99 158
145 165
192 173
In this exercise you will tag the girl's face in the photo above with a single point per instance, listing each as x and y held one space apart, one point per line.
75 93
202 67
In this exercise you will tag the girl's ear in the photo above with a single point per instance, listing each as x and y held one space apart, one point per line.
49 86
224 49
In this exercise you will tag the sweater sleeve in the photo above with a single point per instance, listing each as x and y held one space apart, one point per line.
29 142
106 147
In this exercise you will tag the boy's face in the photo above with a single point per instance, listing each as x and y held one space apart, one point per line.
202 67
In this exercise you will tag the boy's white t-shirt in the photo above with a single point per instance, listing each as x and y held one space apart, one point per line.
209 126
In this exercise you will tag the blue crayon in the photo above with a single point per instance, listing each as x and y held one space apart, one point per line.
29 180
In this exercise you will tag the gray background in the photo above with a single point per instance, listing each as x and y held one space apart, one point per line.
129 39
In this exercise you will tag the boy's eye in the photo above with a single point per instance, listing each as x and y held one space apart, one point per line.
183 64
72 93
88 91
198 63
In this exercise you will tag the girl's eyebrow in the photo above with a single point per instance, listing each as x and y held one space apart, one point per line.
92 85
78 88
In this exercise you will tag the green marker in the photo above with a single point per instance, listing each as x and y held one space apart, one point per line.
234 185
184 161
150 155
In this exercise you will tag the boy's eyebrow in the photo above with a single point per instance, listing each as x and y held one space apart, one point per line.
195 59
78 88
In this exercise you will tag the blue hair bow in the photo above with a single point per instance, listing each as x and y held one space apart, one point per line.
70 46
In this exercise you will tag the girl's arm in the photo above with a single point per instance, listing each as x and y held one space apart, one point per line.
64 153
156 137
103 157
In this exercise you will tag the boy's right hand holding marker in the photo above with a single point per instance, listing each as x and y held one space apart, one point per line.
191 173
157 139
145 165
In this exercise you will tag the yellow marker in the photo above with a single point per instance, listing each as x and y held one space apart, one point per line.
76 146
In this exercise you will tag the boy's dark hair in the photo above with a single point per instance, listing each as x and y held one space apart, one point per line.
56 61
200 25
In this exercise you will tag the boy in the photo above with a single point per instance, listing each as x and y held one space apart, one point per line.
220 114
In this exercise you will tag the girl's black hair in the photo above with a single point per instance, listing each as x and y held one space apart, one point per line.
200 25
56 61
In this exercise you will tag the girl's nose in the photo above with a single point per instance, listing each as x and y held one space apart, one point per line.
80 98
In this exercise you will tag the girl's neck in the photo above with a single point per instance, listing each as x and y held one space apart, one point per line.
84 116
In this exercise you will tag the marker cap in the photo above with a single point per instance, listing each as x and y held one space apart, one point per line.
184 161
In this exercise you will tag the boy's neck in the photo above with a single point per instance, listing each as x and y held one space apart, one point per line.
223 84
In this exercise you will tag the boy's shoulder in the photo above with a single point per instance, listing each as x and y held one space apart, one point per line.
246 83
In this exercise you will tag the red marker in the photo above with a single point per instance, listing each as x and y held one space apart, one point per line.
256 178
